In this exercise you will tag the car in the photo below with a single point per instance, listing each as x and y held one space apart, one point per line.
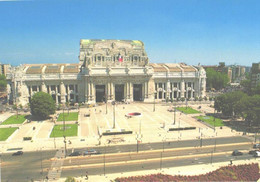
256 146
252 152
257 154
91 152
236 153
76 153
17 153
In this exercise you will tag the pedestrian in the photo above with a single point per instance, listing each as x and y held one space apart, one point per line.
231 162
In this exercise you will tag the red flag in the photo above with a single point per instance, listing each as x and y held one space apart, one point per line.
120 58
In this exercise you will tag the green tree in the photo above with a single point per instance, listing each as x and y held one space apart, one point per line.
246 84
251 110
216 80
3 83
70 179
228 103
42 105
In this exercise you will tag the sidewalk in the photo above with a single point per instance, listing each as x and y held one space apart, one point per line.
184 170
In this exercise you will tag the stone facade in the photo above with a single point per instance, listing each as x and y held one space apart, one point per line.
107 70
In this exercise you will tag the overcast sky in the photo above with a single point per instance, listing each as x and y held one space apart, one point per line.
190 31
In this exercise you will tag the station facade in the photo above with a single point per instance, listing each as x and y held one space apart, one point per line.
108 70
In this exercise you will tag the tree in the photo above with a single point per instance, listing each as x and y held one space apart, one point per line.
42 105
216 80
246 84
3 83
70 179
228 103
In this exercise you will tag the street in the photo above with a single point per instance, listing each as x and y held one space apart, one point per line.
35 165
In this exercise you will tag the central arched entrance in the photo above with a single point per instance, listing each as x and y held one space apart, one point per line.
138 92
119 92
100 93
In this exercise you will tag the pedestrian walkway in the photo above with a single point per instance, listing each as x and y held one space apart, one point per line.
55 170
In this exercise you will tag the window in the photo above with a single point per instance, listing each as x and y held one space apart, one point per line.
160 85
53 88
34 88
189 84
71 87
175 85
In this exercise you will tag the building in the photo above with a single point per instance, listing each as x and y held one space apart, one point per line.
107 70
255 74
4 69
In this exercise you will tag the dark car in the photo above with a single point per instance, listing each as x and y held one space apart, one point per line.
91 152
75 153
252 152
17 153
236 153
256 146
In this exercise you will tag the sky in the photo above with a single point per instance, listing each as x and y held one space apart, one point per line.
195 32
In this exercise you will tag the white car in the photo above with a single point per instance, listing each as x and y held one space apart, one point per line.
257 154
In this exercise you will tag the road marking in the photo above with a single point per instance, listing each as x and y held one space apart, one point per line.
165 150
138 161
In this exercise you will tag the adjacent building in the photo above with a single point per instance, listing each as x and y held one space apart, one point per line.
107 70
255 74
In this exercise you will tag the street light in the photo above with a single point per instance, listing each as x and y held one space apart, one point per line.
174 121
65 146
114 119
104 159
154 103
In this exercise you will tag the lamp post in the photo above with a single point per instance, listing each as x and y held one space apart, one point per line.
65 146
104 159
114 119
54 135
174 121
154 102
106 103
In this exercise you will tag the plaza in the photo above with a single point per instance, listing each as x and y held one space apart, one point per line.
151 126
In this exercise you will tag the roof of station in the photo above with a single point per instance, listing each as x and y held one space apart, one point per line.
51 68
172 67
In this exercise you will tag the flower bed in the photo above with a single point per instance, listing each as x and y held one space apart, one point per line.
245 172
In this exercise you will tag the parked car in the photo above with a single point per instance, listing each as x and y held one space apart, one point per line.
257 154
252 152
17 153
76 153
256 146
91 152
236 153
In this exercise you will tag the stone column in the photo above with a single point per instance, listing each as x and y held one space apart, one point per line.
131 91
163 90
112 91
85 90
62 93
182 87
93 94
168 89
89 91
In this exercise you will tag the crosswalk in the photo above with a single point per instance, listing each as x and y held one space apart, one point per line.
56 167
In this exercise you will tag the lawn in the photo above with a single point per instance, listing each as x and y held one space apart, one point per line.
70 130
210 120
71 116
6 132
187 110
15 119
